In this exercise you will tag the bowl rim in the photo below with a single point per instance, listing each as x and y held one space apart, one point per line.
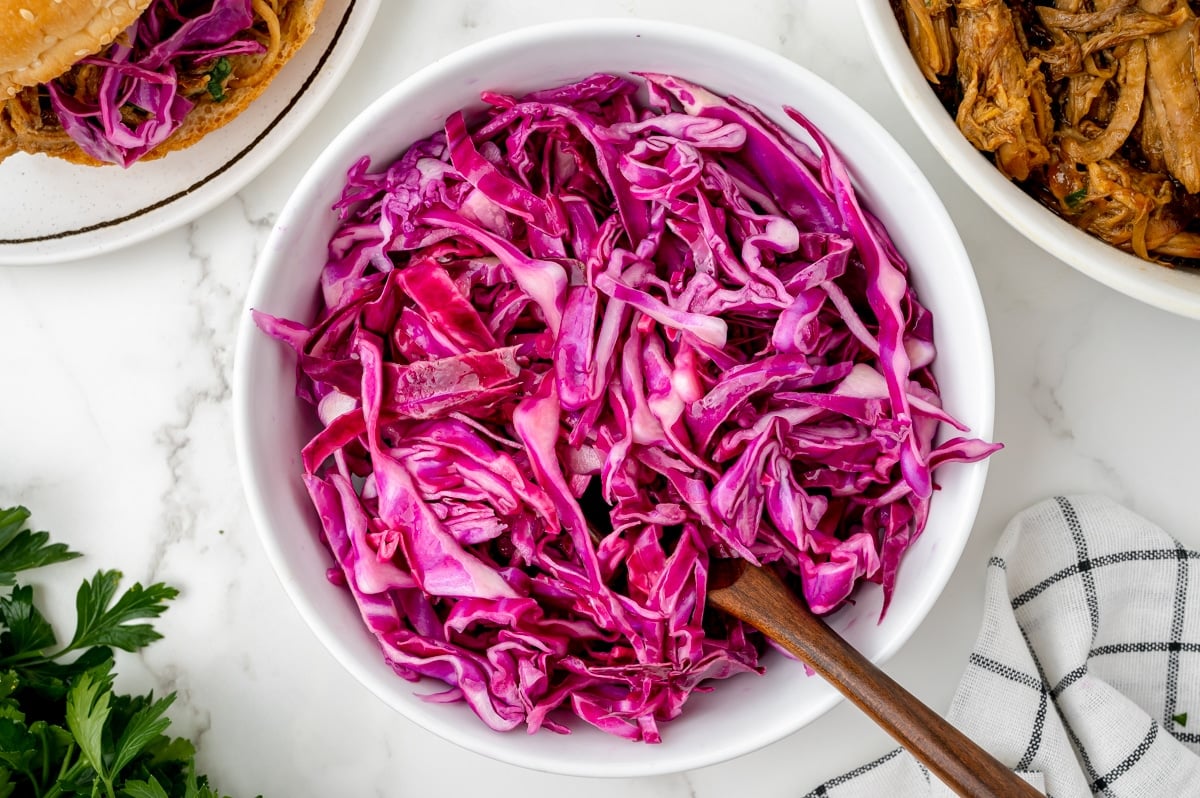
1173 290
249 339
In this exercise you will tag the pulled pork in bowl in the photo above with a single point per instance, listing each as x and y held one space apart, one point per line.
1078 121
1093 107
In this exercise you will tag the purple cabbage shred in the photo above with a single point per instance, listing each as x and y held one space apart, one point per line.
575 348
139 102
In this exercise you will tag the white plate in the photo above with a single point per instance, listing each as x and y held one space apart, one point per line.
52 211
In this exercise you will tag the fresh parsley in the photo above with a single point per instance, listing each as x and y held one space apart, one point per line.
64 730
21 549
216 79
1181 718
1076 197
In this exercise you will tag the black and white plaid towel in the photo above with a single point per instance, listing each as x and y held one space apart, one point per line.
1086 673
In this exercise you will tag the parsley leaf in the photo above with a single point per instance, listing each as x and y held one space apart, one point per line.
145 726
1181 718
17 746
145 789
1076 197
9 682
166 751
27 629
87 713
221 70
21 549
102 625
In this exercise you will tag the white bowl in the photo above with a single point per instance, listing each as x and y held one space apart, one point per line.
1173 290
744 713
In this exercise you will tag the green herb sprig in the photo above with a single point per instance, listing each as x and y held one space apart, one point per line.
221 70
1076 198
64 730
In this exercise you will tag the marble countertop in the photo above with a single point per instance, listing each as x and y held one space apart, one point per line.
115 428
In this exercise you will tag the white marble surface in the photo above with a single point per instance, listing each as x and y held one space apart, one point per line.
115 430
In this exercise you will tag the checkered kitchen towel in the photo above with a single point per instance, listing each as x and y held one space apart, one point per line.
1086 673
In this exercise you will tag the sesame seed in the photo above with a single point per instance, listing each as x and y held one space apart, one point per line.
27 15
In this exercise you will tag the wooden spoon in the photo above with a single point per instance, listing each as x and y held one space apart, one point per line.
758 597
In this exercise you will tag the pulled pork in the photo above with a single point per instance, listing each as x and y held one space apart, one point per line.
1093 106
1005 108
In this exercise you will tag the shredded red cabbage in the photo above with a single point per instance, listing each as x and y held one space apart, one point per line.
138 103
570 353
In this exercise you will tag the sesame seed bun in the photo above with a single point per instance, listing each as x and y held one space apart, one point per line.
41 39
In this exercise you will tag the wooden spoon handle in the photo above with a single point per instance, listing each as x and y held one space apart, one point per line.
759 598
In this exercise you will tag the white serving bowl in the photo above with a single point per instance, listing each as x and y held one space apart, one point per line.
744 713
1174 290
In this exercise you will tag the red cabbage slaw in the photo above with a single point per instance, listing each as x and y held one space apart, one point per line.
139 104
568 354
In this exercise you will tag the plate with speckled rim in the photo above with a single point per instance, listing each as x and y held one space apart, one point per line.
53 211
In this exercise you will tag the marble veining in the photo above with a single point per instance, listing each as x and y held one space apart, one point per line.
115 430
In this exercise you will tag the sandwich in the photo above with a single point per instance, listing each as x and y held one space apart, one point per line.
101 82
